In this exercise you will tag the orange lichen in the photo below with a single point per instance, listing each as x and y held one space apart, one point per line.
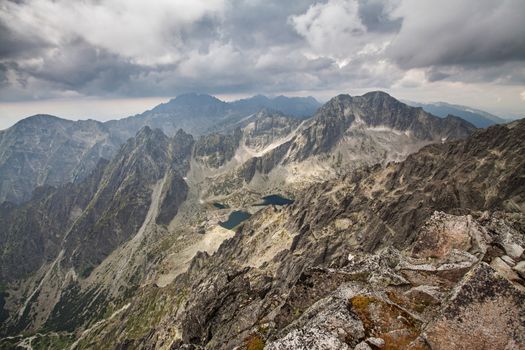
254 342
384 320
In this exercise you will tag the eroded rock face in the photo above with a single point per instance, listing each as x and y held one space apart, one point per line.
486 311
443 233
441 304
44 150
378 258
76 227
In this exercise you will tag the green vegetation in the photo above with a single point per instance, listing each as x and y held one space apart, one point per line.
181 297
86 271
52 341
76 308
150 312
381 319
9 344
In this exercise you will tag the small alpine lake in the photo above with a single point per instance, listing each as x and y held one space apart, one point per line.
235 218
276 199
220 205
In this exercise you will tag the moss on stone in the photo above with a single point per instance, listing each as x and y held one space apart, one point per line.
254 342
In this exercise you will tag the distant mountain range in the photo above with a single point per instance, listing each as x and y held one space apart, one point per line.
479 118
406 229
47 150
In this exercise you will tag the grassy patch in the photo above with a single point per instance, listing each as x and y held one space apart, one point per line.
4 314
53 341
76 308
151 311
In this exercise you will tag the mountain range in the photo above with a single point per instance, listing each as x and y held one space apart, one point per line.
406 230
479 118
46 150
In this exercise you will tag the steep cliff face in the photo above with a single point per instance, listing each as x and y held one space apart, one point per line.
410 255
374 112
122 201
33 232
215 150
45 150
54 242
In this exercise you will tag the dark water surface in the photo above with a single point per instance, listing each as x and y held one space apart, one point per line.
220 205
276 199
235 219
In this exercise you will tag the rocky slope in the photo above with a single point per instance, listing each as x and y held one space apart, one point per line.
346 133
200 114
117 242
422 254
45 150
52 244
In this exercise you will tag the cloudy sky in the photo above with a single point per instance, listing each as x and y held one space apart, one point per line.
112 58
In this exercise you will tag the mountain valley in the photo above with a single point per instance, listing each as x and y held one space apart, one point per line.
114 235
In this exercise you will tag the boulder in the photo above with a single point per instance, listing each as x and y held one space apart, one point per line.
485 312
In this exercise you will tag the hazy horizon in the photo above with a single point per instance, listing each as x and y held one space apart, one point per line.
111 109
58 55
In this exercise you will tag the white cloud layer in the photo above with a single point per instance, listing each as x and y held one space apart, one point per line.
132 48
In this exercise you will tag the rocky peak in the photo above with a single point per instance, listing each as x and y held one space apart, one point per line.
335 107
198 104
40 119
299 107
380 97
46 150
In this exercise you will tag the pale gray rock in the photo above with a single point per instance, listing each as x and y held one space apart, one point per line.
362 346
508 260
520 269
377 342
308 339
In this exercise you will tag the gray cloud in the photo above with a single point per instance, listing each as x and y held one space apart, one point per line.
14 45
133 48
375 15
463 32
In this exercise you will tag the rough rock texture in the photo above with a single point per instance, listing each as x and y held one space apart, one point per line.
486 311
62 234
397 253
46 150
352 125
216 149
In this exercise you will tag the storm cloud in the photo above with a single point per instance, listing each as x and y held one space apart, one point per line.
133 48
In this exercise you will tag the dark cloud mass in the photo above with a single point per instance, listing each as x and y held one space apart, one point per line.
126 48
466 32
